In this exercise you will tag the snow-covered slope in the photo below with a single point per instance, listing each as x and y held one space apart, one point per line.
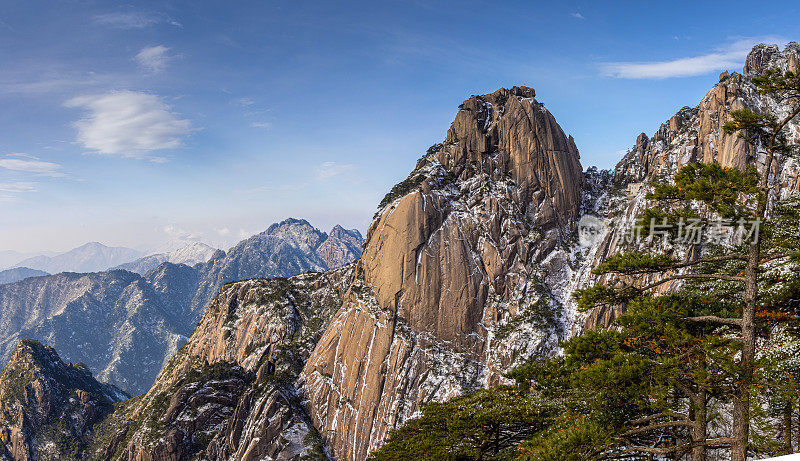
191 254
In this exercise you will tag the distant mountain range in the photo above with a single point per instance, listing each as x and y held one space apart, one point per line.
124 325
9 258
91 257
19 273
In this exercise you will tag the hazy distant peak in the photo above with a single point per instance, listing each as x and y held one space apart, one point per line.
89 257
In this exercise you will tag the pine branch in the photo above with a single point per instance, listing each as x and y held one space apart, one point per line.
719 442
663 414
729 278
658 426
715 319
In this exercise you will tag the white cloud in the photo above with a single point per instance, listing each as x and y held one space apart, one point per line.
577 15
29 164
18 187
729 57
128 123
153 58
245 102
180 234
223 231
132 20
264 125
331 169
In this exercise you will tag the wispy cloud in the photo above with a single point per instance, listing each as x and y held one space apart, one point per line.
724 58
577 15
132 20
18 187
153 58
330 169
30 164
128 123
264 125
245 102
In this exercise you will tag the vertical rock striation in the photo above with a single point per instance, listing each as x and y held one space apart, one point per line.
453 287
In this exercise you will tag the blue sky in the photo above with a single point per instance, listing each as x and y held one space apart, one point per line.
139 123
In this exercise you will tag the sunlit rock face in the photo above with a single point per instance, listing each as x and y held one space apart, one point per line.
453 289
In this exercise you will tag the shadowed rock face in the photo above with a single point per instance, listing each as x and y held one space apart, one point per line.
457 253
47 407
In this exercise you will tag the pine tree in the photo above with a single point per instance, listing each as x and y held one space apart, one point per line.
728 193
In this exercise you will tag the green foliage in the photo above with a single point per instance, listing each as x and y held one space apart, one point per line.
572 438
727 191
602 295
402 188
635 263
486 424
784 85
652 217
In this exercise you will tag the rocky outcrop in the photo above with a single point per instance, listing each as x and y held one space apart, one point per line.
48 407
454 286
341 247
229 393
287 248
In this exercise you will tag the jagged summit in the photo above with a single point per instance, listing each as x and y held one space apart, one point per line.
764 56
695 134
47 407
453 265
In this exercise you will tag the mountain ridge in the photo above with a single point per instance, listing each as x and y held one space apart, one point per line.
126 325
89 257
467 271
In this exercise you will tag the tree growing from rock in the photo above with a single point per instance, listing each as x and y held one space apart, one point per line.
741 196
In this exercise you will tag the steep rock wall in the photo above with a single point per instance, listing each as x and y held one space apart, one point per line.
459 253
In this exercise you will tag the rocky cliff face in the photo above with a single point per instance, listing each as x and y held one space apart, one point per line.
48 407
455 268
230 392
